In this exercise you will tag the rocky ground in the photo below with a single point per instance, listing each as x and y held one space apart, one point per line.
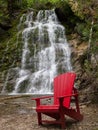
17 113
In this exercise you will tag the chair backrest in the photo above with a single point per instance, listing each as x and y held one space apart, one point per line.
63 85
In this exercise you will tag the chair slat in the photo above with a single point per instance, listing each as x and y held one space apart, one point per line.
63 85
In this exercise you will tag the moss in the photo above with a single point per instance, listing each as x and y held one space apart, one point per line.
95 129
9 49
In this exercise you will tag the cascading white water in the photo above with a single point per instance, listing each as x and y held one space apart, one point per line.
45 53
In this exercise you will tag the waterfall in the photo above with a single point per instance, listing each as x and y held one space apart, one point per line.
45 52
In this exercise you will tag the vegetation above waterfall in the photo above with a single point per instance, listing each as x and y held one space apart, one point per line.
81 22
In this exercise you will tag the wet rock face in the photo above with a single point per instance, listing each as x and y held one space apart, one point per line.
5 26
1 31
78 49
7 80
67 17
86 70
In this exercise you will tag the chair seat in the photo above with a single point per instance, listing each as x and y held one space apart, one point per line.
47 108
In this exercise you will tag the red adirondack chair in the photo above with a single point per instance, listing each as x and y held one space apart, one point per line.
63 92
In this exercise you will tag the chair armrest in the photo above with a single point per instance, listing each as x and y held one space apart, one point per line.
38 99
65 96
43 97
61 98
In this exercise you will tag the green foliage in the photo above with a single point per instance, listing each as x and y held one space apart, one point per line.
85 10
94 40
95 32
95 48
37 3
3 7
31 2
83 30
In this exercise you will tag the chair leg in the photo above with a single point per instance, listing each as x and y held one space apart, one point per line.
39 118
62 120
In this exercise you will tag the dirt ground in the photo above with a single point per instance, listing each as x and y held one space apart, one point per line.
19 114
